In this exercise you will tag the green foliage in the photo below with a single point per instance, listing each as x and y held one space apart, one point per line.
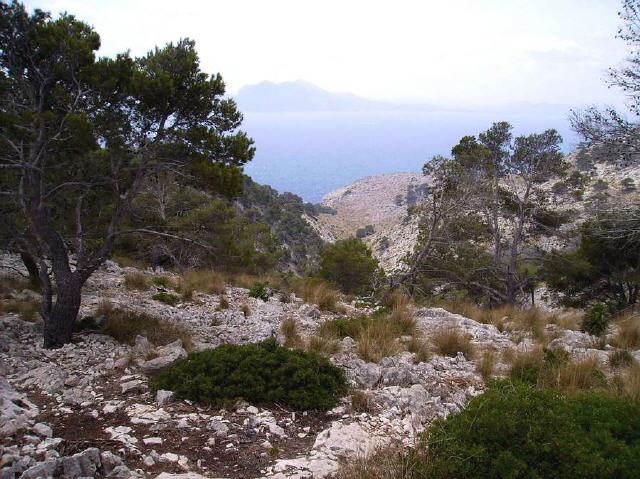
628 184
596 320
260 291
604 267
167 298
517 431
260 373
349 264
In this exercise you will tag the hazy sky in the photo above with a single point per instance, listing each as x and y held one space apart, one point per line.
462 52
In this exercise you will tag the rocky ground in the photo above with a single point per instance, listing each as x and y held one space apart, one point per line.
85 410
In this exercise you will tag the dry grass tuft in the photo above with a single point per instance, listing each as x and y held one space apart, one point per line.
362 401
318 293
451 341
376 341
124 325
290 330
28 309
627 384
246 310
575 376
324 343
402 316
620 358
486 364
627 335
420 348
223 304
391 463
205 281
136 281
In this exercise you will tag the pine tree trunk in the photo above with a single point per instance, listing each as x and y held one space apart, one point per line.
32 269
60 321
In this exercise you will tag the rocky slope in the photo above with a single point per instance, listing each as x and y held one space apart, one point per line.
382 201
85 410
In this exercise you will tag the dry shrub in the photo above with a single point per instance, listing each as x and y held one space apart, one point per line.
486 364
318 293
326 344
362 401
391 463
420 348
136 281
291 332
620 358
28 309
627 383
627 335
223 304
124 325
205 281
451 341
376 341
568 319
401 315
246 310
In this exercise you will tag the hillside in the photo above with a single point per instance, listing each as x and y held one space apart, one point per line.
381 201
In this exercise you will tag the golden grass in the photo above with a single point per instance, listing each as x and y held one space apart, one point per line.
391 463
27 309
136 281
318 293
627 335
627 384
205 281
450 341
326 344
362 401
124 325
223 304
575 376
420 348
291 332
376 340
486 364
246 310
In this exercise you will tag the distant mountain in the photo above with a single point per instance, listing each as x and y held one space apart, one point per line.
303 96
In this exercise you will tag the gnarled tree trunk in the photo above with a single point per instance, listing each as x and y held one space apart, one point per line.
59 320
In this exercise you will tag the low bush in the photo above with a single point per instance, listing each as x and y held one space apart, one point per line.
205 281
136 281
124 325
245 309
620 358
515 430
260 291
451 341
223 303
260 373
163 282
28 309
167 298
596 320
291 332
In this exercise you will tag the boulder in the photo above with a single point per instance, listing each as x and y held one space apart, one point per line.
16 411
165 355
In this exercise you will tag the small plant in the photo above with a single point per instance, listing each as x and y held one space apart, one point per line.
620 358
362 401
245 309
627 334
28 309
376 341
163 281
205 281
136 281
223 303
291 333
167 298
451 341
324 344
260 291
390 463
596 320
420 348
486 364
124 325
285 297
263 373
626 385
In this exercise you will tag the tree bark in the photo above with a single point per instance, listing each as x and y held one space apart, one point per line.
32 269
60 321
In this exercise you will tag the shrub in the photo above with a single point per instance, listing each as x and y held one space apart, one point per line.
350 265
223 304
620 358
205 281
362 401
260 291
291 332
627 334
343 327
515 430
163 281
29 310
596 319
260 373
451 341
136 281
124 325
167 298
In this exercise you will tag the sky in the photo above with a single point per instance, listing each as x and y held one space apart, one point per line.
449 53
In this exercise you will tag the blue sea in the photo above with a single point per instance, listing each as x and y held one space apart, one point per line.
313 153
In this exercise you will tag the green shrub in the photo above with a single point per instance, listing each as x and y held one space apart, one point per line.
163 281
350 265
596 320
260 291
259 373
168 298
517 431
